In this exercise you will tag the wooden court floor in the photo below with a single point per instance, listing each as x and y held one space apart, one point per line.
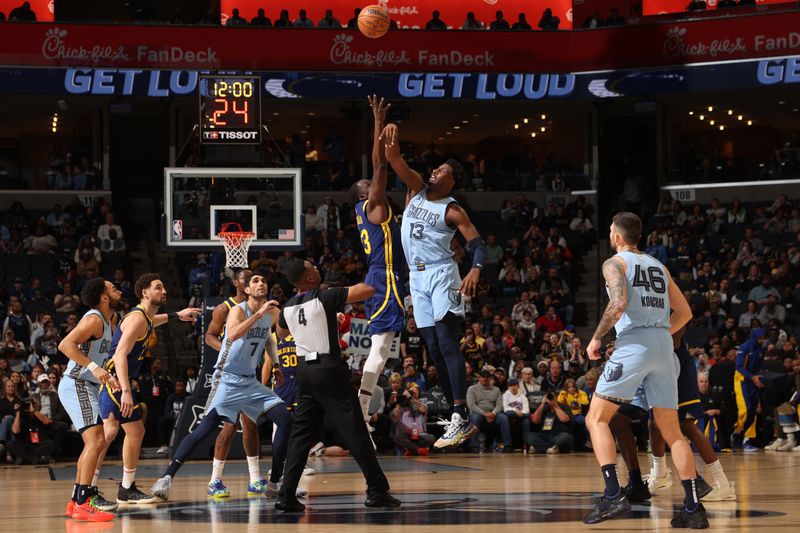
486 493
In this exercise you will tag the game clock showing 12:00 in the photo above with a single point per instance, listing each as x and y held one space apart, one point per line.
230 110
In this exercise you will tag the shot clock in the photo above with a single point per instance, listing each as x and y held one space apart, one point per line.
230 109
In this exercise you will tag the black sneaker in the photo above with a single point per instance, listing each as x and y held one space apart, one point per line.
381 499
288 505
101 503
133 496
703 488
637 493
606 508
695 520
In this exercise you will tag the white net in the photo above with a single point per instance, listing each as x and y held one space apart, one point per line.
236 243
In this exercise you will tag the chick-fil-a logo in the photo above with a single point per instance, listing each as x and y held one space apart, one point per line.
342 54
675 46
54 47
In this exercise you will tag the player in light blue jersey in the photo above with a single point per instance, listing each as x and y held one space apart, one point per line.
87 346
430 221
247 332
641 293
380 237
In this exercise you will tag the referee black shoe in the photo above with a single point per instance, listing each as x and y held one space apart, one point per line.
637 493
606 508
381 499
692 520
289 505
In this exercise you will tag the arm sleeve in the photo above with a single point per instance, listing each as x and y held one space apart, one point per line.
741 355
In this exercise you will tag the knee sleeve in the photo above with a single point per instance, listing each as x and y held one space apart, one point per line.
378 353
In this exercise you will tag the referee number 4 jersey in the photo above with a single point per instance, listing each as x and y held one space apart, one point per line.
311 318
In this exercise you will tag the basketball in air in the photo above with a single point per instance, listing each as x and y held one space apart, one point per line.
373 21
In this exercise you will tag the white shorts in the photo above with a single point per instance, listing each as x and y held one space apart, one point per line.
81 401
642 356
435 292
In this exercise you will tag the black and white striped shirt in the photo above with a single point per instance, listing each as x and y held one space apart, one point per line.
311 318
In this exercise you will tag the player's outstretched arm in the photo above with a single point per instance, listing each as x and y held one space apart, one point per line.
189 314
218 318
614 274
456 216
359 293
408 175
377 209
681 312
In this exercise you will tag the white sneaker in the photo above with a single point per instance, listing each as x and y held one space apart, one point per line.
162 450
775 445
720 494
308 471
797 448
658 483
161 487
788 446
553 450
456 431
317 450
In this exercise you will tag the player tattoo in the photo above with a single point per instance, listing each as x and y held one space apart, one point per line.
616 283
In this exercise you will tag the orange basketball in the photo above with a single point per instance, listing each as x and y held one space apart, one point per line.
373 21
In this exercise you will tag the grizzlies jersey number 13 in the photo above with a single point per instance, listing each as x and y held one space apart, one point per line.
647 304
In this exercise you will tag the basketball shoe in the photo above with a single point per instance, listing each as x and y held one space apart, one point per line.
456 431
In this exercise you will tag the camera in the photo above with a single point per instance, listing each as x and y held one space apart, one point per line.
24 403
550 397
402 400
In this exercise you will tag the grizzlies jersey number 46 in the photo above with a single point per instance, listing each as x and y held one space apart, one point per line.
648 300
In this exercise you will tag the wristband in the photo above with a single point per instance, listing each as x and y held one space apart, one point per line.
172 316
478 249
91 366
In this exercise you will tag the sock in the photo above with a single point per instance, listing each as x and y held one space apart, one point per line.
660 466
216 469
364 397
461 409
83 494
252 467
128 477
174 466
611 479
75 492
635 478
94 479
717 473
690 501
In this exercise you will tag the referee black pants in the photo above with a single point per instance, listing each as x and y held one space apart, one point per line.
325 391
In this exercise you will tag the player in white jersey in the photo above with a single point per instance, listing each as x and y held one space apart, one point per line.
247 331
641 293
87 347
430 220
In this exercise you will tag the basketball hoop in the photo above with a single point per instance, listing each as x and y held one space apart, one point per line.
237 243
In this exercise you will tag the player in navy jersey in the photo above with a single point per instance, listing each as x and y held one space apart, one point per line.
380 236
430 220
641 295
128 347
87 347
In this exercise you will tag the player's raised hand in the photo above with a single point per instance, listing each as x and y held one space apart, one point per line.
470 282
389 135
189 314
593 350
379 108
268 306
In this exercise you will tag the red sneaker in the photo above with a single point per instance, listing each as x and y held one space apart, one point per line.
407 453
423 451
87 513
70 507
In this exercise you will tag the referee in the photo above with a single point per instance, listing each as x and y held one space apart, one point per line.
325 384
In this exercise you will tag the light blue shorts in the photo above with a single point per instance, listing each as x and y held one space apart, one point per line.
642 356
640 398
435 292
236 394
81 401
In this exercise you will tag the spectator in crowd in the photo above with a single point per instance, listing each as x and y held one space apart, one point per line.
485 403
8 401
18 323
409 417
41 242
66 302
328 21
302 21
521 24
31 444
235 19
23 13
413 345
283 20
472 23
155 386
172 410
594 21
435 23
552 427
261 19
46 397
746 318
772 310
550 321
13 350
555 380
499 23
578 403
353 22
696 5
110 224
516 406
410 373
760 294
615 19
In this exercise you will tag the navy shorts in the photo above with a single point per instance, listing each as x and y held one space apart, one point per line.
385 307
288 392
111 403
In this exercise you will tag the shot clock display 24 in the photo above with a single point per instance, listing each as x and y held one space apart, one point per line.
230 109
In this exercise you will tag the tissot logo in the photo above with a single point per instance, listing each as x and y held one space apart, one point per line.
230 135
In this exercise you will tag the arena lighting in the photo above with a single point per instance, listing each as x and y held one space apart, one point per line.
456 127
691 113
722 128
544 117
740 117
311 113
275 113
711 122
448 133
702 117
543 129
730 111
781 102
533 134
525 120
516 126
711 109
465 121
749 122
